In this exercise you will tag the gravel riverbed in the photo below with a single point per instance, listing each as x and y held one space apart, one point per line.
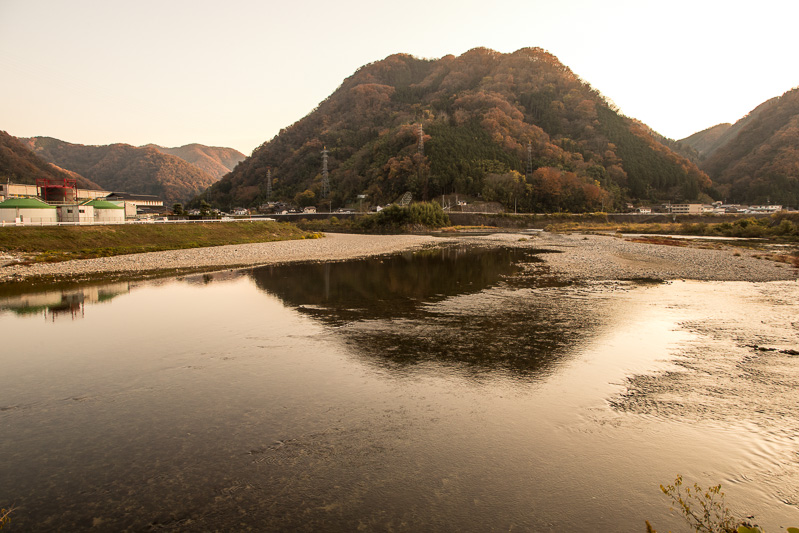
610 257
575 256
332 247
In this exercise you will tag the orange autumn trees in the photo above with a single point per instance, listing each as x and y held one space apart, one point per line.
556 190
761 162
518 128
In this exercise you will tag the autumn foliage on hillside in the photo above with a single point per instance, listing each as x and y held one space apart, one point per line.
517 128
212 160
18 164
761 163
121 167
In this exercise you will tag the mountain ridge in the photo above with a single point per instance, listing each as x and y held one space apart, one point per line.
213 160
515 128
705 142
756 160
21 165
123 167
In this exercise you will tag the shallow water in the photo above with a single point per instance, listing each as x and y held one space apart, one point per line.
464 389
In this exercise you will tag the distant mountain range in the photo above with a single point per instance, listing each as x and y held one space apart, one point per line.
707 141
140 170
20 165
519 128
755 160
212 160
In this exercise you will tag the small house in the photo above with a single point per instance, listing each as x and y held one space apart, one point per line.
76 213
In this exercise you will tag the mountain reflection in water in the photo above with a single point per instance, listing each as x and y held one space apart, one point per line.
453 306
388 286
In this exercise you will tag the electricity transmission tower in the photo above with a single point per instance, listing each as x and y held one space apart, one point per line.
325 175
420 148
268 184
404 200
529 160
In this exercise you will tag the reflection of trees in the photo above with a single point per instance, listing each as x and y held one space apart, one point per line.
445 307
520 331
388 286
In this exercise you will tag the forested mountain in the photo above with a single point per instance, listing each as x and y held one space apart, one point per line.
759 163
18 164
121 167
706 142
480 112
212 160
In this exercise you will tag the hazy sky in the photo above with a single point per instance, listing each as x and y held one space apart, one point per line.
233 72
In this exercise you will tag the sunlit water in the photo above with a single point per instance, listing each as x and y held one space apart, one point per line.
462 390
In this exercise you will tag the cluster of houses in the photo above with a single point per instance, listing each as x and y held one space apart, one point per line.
60 201
716 208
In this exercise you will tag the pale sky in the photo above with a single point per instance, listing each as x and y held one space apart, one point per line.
234 72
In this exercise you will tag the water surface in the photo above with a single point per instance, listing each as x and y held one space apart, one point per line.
463 389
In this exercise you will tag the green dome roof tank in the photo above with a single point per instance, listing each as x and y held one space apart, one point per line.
103 204
25 203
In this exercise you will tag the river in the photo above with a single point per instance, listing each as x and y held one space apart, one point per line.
464 389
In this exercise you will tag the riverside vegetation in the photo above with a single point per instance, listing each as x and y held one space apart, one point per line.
705 510
783 226
5 516
393 219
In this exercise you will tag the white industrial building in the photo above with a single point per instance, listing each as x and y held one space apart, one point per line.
60 201
27 211
106 212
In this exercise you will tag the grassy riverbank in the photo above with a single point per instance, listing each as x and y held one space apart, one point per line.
781 227
59 243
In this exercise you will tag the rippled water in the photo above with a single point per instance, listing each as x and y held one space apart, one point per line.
458 390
